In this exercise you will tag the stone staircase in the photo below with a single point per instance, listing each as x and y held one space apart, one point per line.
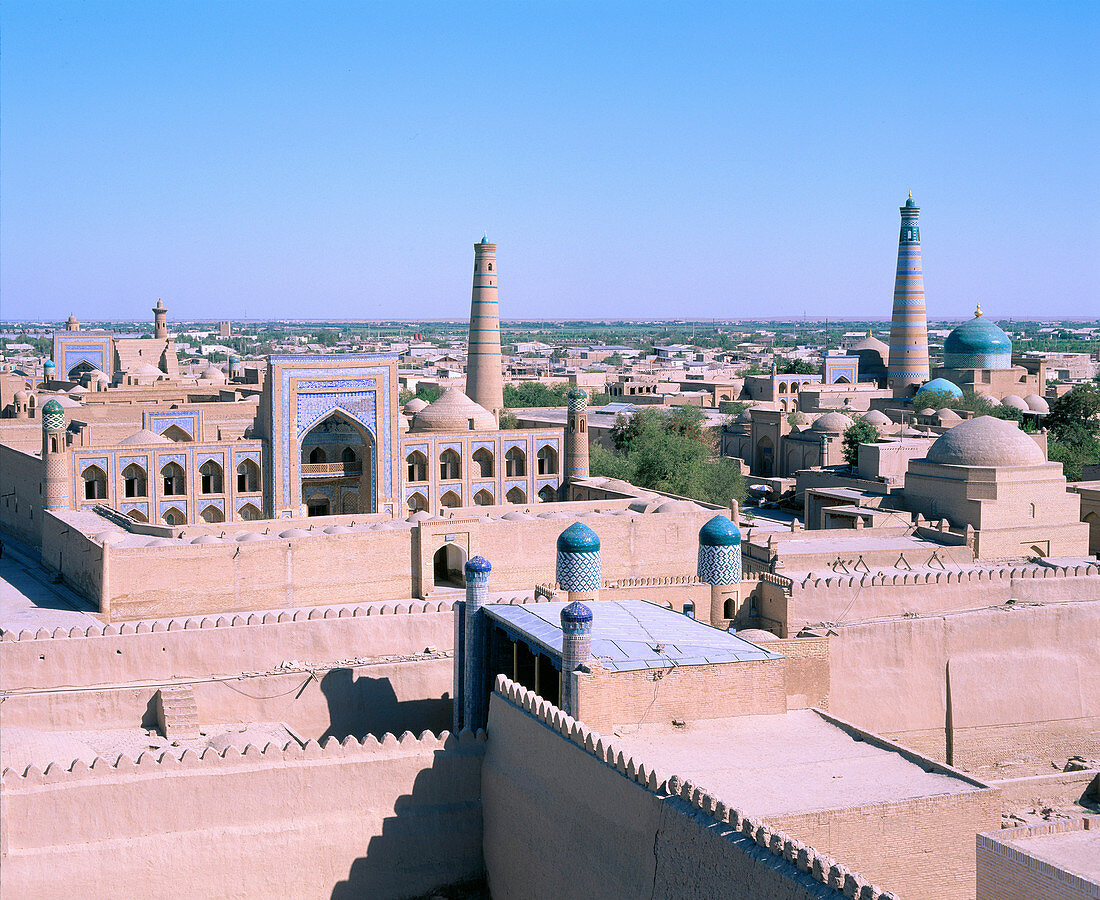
177 712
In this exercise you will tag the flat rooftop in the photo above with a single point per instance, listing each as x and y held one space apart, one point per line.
628 635
784 764
1076 852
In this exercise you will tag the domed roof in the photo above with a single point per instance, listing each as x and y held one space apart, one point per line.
210 373
145 369
977 344
938 385
78 389
800 420
143 437
947 415
414 406
910 202
927 411
454 411
720 532
576 613
745 416
753 635
871 343
50 365
22 396
878 418
985 441
578 538
832 423
1015 402
1036 404
52 406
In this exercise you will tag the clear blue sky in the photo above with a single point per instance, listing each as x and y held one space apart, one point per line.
339 159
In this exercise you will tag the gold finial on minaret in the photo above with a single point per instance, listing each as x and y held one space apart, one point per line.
910 193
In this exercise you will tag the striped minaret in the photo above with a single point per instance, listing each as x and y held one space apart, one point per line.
484 380
908 366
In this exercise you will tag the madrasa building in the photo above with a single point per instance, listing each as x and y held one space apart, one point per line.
321 435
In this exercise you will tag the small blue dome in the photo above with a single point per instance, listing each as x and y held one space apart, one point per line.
910 203
977 344
50 364
578 538
575 613
484 238
937 385
720 532
477 564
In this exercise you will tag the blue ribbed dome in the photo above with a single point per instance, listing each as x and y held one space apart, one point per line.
576 612
578 538
937 385
720 532
977 344
50 364
477 564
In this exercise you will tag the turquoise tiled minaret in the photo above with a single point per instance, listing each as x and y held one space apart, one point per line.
475 681
578 569
576 647
720 567
908 365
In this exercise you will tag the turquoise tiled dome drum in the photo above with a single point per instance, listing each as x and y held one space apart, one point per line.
720 552
578 567
53 416
578 400
977 344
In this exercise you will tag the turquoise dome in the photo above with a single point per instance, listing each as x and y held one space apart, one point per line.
720 532
910 202
52 406
578 538
50 364
977 344
937 385
484 238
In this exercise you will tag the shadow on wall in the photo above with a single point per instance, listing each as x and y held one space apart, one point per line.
431 845
364 705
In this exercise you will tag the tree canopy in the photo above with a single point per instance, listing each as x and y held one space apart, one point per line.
859 432
669 451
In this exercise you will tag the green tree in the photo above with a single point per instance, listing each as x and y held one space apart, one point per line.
535 393
859 432
1073 417
796 367
429 393
669 451
326 337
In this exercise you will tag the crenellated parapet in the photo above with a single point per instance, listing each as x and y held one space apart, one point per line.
733 824
161 762
195 623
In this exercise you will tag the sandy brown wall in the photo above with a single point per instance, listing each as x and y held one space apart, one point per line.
371 673
20 489
853 599
929 857
74 555
561 822
976 688
684 693
231 577
353 820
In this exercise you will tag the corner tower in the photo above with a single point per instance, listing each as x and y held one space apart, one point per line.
908 365
484 380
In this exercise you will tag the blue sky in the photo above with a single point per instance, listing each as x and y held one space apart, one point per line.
339 159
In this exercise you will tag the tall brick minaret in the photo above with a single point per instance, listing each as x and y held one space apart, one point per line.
907 369
484 379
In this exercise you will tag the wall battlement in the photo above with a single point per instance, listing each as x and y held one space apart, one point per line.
706 807
155 764
1005 573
